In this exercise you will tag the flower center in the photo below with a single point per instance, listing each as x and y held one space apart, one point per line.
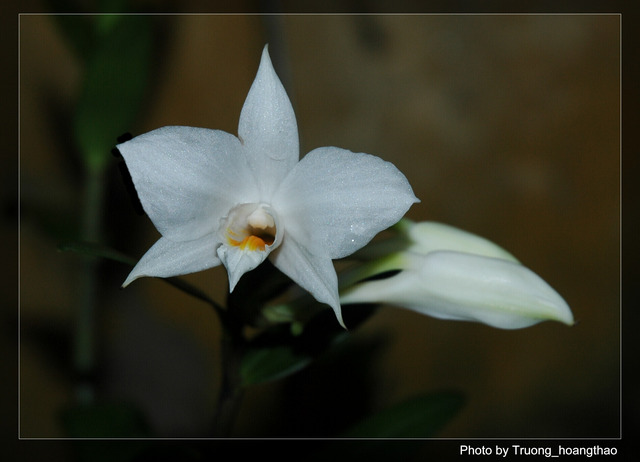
250 227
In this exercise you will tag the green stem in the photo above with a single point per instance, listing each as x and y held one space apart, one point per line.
351 276
84 341
231 391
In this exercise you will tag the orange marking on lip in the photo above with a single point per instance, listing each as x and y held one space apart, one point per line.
249 243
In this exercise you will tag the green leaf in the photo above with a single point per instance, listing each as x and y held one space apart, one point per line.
114 85
277 352
419 417
265 364
87 423
104 420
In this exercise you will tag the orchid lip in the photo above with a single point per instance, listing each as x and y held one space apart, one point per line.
251 227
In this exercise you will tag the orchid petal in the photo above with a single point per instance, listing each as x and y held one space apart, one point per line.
429 236
268 129
167 258
314 273
337 200
187 178
460 286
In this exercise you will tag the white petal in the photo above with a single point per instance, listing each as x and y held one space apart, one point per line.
458 286
187 178
313 273
167 258
430 236
336 201
268 129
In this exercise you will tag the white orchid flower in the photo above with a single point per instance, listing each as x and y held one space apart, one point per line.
448 273
216 198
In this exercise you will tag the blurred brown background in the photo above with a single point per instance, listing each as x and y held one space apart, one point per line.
506 126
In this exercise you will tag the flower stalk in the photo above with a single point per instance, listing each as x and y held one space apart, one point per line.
84 338
230 395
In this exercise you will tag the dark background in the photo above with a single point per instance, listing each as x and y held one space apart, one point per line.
507 126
